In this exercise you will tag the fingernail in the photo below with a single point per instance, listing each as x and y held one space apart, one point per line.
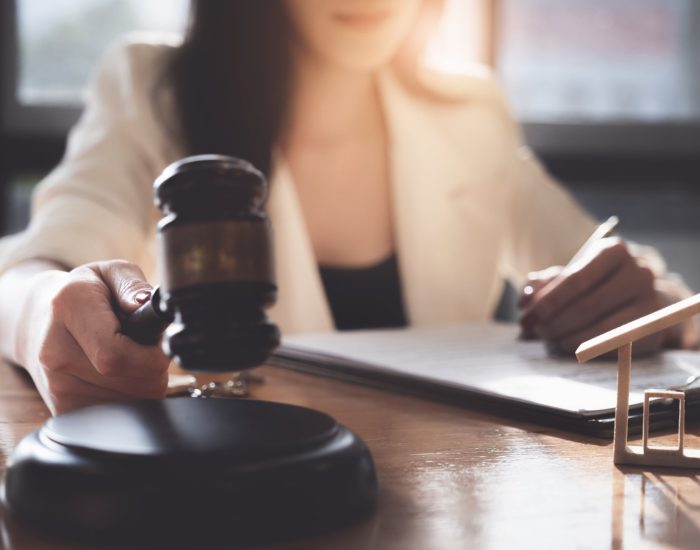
142 296
526 296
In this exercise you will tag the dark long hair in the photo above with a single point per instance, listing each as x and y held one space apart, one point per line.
231 78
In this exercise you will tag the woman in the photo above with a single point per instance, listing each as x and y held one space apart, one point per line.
411 187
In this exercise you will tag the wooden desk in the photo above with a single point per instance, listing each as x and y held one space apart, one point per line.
454 478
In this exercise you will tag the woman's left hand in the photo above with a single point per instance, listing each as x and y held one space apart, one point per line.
605 290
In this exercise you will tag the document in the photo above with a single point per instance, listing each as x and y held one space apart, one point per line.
485 359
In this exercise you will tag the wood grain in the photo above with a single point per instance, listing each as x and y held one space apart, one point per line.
451 477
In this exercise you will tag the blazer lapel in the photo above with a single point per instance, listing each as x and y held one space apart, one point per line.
445 203
301 305
445 239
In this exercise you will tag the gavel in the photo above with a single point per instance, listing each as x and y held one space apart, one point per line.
263 471
215 254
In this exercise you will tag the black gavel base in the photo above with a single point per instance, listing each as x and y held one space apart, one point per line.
190 470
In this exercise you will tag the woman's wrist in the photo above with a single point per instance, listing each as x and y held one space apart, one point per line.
22 287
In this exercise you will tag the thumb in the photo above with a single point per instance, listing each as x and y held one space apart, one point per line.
126 282
536 281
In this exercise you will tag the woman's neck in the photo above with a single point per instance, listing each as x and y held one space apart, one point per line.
330 105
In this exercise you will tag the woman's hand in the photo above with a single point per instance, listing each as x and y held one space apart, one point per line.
536 281
68 337
605 290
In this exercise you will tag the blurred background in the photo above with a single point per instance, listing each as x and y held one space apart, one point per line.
607 92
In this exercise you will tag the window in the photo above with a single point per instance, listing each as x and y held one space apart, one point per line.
612 77
60 41
603 77
600 60
49 49
56 45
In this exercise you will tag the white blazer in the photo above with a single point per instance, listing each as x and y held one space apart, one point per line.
472 207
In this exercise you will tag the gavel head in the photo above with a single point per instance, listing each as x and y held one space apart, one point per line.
216 263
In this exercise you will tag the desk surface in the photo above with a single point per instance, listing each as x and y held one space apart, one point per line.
452 477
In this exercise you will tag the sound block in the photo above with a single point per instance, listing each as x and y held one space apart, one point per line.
190 470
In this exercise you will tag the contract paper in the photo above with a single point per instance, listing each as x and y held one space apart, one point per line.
488 358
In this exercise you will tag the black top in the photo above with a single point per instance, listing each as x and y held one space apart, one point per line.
366 297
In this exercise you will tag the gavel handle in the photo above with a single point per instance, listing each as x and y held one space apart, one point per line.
147 323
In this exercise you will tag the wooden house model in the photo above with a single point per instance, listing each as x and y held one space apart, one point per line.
621 339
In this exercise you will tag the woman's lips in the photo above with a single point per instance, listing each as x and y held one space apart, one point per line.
362 19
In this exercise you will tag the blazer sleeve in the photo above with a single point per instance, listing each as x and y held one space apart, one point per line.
545 224
547 227
540 223
97 204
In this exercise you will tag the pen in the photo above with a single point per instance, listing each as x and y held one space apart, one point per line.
605 229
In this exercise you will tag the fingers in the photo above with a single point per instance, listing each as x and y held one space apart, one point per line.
568 286
69 380
536 281
606 290
569 343
84 305
62 354
76 352
626 285
126 283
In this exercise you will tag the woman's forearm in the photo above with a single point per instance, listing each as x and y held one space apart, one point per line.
16 295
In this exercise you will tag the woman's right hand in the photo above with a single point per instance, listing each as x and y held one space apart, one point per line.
68 337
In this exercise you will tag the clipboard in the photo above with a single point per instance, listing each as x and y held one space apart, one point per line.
484 366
